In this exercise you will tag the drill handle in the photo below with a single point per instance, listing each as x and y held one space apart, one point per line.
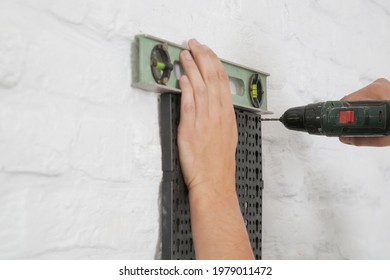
355 118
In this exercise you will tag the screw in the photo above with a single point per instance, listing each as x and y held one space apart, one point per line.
164 80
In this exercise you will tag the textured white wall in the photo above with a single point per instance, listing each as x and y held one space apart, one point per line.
80 150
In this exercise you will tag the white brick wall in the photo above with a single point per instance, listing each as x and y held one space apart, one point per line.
80 150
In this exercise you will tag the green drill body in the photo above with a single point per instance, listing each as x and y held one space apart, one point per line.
340 118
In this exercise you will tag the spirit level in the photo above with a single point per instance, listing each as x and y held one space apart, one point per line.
157 68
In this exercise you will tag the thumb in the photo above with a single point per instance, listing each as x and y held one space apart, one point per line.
381 141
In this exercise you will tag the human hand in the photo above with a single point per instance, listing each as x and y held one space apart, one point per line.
207 140
207 133
378 90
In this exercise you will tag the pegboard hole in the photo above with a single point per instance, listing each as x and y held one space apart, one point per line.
178 245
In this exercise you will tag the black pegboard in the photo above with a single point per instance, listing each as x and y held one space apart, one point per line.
176 226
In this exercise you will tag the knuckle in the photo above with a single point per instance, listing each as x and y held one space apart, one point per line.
188 108
200 49
379 87
211 76
200 89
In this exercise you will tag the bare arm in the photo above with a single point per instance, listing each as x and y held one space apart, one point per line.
207 140
378 90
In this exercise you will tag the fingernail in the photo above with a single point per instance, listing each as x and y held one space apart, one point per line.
187 55
195 42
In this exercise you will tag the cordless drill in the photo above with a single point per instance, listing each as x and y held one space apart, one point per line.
340 118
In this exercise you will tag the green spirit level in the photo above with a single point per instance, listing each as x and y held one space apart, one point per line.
157 68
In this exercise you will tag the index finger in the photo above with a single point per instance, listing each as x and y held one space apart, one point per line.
378 90
213 73
197 83
362 94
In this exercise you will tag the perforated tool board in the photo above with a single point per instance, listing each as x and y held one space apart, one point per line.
176 224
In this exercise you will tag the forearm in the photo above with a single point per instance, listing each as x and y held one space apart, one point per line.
218 227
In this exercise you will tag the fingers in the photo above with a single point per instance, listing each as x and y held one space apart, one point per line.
366 141
187 104
196 81
209 81
203 58
362 94
378 90
224 93
210 69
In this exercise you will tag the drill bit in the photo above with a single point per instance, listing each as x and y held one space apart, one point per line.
272 119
